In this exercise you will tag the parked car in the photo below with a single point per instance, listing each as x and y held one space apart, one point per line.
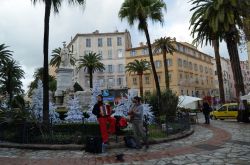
226 111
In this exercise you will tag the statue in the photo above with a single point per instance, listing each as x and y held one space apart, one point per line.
65 57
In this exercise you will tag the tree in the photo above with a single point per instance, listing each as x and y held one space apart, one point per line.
225 17
165 45
91 63
203 32
56 58
141 11
5 54
10 78
138 67
56 4
38 75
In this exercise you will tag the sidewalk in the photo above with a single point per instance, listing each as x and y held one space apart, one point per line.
222 142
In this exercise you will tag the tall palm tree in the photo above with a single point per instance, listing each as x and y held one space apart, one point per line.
56 4
5 54
10 78
91 63
202 32
56 58
138 67
141 11
225 16
165 45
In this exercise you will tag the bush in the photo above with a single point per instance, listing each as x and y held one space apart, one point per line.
169 103
60 134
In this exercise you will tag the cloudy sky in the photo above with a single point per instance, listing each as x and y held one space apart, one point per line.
22 26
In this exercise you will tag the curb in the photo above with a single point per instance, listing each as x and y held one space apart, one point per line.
82 147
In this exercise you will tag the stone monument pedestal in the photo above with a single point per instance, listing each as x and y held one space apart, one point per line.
64 82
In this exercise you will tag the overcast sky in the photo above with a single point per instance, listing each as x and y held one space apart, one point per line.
22 24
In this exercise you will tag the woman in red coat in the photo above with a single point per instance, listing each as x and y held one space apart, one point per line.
103 113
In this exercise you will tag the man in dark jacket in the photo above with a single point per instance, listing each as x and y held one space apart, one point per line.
206 111
103 114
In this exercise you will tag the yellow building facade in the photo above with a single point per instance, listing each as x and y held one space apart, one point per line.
190 71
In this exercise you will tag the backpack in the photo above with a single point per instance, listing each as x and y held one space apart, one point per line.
130 142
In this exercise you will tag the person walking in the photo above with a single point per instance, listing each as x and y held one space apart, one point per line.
103 114
206 111
136 118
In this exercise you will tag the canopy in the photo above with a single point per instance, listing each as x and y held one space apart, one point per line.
188 102
245 97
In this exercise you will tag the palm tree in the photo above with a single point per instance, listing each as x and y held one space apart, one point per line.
141 11
225 17
5 54
91 63
56 58
165 44
10 78
203 32
56 4
38 75
138 67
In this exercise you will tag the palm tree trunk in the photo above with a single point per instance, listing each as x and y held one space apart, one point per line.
166 69
235 64
219 72
141 85
45 64
158 90
91 79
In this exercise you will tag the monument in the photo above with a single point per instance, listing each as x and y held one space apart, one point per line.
64 75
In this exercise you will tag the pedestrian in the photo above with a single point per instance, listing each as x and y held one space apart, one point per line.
103 113
206 111
136 118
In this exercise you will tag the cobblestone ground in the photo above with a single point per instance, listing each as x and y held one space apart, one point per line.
221 143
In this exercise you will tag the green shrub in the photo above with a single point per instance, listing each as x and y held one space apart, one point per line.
169 103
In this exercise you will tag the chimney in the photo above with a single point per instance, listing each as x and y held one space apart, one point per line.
141 44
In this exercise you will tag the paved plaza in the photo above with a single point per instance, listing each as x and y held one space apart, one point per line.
224 142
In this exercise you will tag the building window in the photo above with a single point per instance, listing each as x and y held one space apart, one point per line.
147 80
120 68
134 81
185 64
145 51
119 81
120 53
170 76
201 68
147 92
180 62
206 70
99 42
180 76
88 42
157 64
190 66
109 41
110 68
100 53
195 67
159 78
170 62
101 81
110 54
119 41
132 53
110 82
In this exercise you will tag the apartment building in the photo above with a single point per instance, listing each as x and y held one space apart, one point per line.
228 80
190 71
246 75
111 46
